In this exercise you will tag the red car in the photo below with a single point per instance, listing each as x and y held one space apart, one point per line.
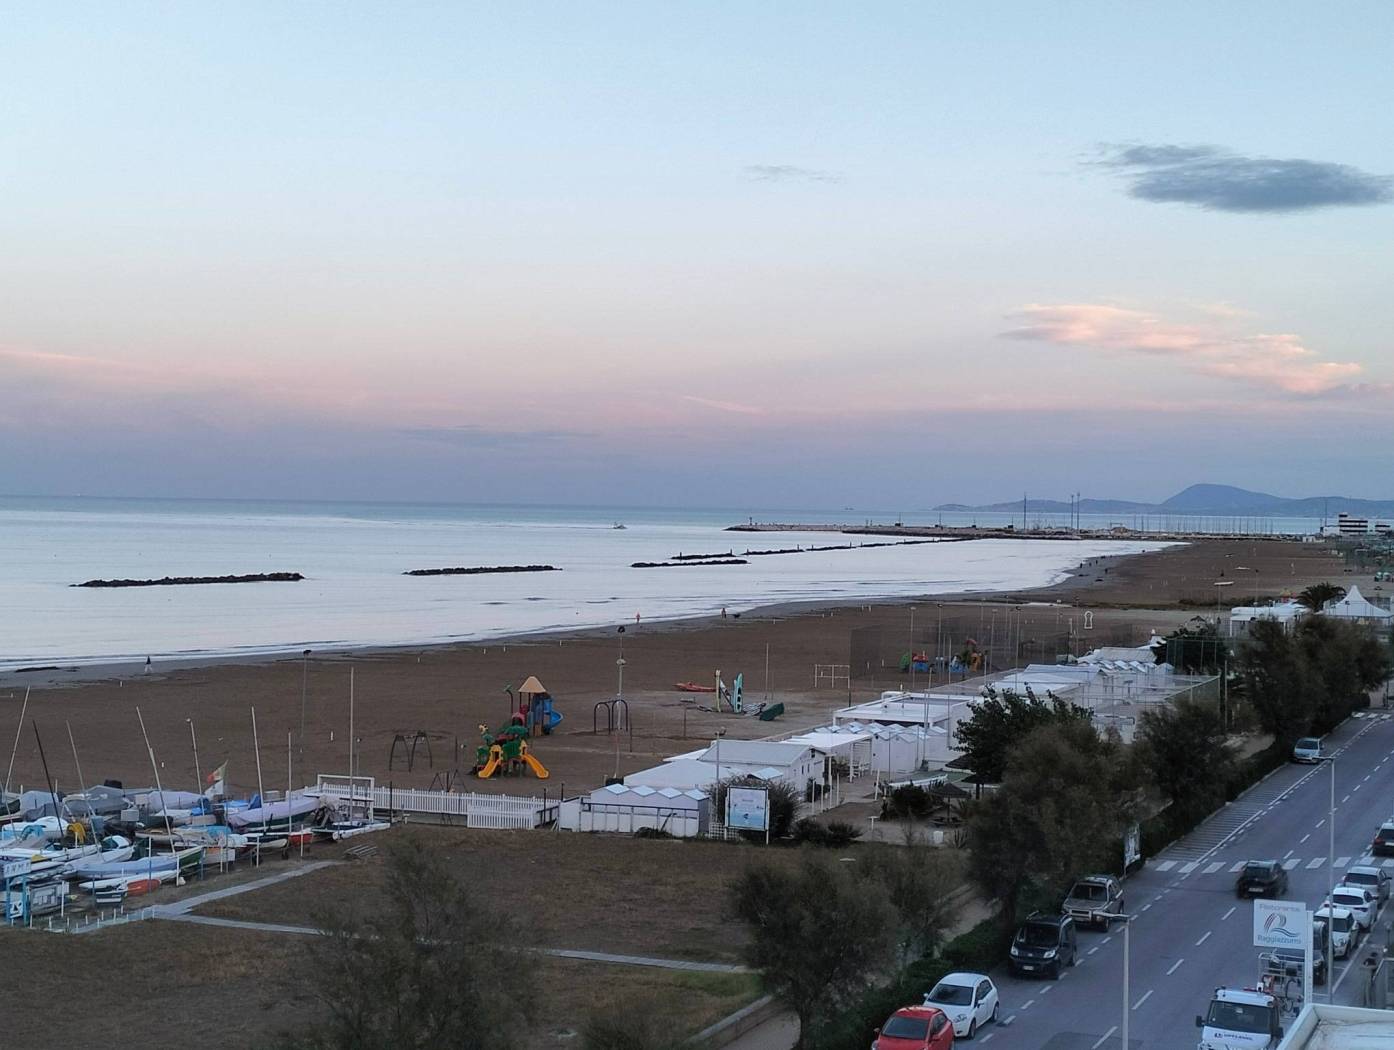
915 1028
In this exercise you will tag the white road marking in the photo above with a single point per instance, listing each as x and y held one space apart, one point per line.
1227 914
1092 950
1143 999
1345 800
1354 790
1104 1038
1237 865
1166 865
1048 988
1107 939
1319 824
1312 865
1186 869
1362 780
1145 907
1387 863
1205 937
1341 862
1027 1005
1286 855
1210 869
1009 1020
986 1037
1288 865
1175 966
1302 840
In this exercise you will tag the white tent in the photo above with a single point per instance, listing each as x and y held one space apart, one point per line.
625 809
1242 617
1354 606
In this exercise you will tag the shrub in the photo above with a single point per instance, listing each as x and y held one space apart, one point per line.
981 948
808 831
840 834
908 800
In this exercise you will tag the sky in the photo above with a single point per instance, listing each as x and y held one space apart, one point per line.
797 254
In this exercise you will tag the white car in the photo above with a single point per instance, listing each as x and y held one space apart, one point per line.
969 1000
1343 927
1359 900
1376 880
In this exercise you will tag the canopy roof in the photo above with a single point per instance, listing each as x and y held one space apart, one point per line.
532 685
1354 606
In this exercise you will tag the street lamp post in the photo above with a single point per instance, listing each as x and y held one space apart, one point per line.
1127 921
1331 879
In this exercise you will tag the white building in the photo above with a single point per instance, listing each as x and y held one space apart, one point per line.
795 764
624 809
1288 614
1328 1027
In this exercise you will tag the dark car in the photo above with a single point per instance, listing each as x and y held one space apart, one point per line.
1261 878
1291 959
1384 839
1044 944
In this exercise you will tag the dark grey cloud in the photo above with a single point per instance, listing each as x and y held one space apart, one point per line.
788 173
1220 180
484 438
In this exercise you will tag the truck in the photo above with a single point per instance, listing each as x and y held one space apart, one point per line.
1240 1019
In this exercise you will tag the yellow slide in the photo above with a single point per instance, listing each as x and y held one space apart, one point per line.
539 770
491 767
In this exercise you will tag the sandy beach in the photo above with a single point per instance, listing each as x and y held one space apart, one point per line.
446 692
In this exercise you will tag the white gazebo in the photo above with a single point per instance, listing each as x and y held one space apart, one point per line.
1355 606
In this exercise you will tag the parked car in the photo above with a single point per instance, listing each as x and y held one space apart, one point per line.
1308 749
1043 944
915 1028
1093 896
969 1000
1376 880
1383 843
1292 959
1261 878
1343 927
1359 900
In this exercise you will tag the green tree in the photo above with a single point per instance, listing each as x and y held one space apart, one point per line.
1279 681
1348 660
1001 721
784 805
1317 595
819 936
428 967
1186 753
1197 648
1056 814
917 879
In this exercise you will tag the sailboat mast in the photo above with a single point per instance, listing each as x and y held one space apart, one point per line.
81 783
350 732
164 808
18 729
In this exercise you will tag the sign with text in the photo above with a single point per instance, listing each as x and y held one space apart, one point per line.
748 809
14 869
1282 924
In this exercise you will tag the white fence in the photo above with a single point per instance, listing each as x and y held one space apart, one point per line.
478 811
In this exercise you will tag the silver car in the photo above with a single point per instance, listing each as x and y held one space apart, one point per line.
1374 879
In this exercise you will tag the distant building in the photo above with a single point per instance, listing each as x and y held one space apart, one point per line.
1288 614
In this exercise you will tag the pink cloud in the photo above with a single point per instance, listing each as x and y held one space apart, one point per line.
1267 361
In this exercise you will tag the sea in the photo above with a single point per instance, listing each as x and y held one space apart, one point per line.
354 555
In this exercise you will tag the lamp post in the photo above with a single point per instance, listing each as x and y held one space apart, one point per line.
1127 921
304 681
1331 879
912 648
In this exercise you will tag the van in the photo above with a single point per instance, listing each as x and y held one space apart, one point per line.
1043 944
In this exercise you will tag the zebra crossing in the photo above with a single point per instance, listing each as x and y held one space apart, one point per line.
1182 866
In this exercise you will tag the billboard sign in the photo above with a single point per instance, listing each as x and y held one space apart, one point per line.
1282 924
748 809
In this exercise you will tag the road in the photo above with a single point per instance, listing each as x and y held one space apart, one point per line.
1190 934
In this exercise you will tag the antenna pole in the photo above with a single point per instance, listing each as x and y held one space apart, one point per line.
169 828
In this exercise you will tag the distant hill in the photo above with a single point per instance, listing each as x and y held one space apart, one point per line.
1203 499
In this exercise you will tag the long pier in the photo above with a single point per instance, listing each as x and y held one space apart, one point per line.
948 533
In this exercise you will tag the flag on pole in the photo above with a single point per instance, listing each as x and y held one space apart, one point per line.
214 781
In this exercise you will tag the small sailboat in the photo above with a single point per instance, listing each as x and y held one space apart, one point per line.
618 525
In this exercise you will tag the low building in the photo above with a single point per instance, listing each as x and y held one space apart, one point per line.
1286 614
795 764
1325 1027
625 809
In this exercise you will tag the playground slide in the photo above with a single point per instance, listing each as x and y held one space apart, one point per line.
539 770
490 768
